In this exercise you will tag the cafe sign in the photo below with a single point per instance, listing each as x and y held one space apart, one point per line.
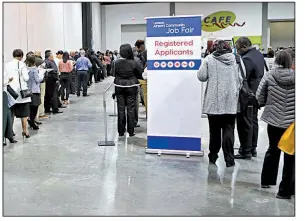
219 21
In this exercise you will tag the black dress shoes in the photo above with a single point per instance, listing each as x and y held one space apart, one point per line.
242 157
57 112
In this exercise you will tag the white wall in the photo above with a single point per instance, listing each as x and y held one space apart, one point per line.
116 15
97 26
280 38
251 13
41 26
281 11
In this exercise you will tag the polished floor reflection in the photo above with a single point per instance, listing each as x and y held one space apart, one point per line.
60 171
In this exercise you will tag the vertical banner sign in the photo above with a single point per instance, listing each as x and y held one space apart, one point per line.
174 92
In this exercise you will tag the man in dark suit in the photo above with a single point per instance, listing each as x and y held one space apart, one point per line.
52 83
247 126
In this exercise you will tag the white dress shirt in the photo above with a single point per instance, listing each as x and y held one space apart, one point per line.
56 60
11 71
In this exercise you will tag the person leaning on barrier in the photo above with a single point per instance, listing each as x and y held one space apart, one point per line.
126 72
276 92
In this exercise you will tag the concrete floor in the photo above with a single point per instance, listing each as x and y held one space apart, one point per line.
61 171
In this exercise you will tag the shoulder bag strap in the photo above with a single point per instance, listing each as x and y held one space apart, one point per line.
266 66
240 67
19 77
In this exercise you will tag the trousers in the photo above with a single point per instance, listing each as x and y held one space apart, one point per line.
98 75
222 135
51 96
82 82
247 128
136 110
271 164
40 111
73 83
7 118
65 86
126 99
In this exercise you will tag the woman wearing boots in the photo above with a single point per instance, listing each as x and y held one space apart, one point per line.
127 72
35 78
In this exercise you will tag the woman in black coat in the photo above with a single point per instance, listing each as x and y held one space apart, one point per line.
127 72
7 117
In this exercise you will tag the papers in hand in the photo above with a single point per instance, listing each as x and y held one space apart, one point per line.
144 74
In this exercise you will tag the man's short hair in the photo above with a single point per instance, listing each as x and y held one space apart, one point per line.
48 54
244 41
139 43
17 53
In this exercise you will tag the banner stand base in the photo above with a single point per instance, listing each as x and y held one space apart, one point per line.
106 143
175 152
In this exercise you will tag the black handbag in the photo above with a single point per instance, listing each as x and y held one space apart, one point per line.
24 93
11 91
246 96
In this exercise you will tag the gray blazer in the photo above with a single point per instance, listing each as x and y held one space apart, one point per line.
34 80
224 82
276 92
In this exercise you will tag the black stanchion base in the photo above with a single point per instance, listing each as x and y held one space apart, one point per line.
113 115
106 143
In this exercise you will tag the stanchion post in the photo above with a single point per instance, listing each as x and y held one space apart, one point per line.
106 142
114 109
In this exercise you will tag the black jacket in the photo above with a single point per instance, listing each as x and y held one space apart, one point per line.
254 64
127 72
96 63
54 73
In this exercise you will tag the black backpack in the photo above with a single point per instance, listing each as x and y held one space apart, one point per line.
246 96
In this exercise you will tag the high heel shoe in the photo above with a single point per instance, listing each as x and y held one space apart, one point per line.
25 135
38 123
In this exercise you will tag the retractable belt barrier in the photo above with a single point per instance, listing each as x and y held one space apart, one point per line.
106 142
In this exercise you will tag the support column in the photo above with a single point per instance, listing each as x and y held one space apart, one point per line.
87 24
172 8
265 27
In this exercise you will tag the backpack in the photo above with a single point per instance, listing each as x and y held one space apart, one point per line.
246 96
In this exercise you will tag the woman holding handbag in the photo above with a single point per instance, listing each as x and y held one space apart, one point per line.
276 92
35 78
20 107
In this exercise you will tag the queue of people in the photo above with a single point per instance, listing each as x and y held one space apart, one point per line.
236 89
37 87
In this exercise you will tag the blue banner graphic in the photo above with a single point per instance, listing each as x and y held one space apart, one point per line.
168 65
176 26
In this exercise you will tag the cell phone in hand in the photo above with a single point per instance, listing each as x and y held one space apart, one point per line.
250 111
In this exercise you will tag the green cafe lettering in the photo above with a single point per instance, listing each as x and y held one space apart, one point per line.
219 21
